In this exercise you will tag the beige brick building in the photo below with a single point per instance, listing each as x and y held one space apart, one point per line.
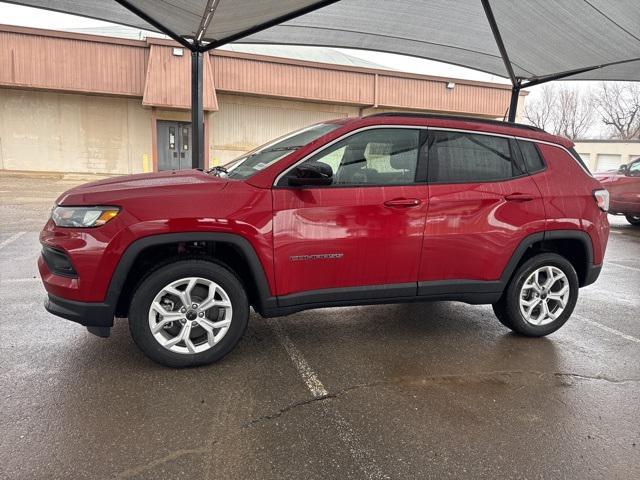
82 103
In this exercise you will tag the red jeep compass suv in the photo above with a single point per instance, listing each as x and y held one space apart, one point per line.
383 209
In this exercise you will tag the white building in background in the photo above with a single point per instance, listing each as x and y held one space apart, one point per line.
603 155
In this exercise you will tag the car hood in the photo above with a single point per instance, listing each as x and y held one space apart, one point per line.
113 190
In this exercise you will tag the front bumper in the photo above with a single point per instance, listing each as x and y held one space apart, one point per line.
97 317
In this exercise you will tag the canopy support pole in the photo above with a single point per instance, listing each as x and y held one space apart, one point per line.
513 104
197 110
515 81
197 51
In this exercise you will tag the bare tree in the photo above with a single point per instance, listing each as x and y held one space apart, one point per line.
575 113
541 111
618 104
563 111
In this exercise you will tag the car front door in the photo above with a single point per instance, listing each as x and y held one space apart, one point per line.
482 204
361 235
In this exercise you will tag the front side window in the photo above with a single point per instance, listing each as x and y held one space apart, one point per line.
634 169
266 155
381 156
460 157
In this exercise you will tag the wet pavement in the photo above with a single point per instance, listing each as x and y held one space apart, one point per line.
438 390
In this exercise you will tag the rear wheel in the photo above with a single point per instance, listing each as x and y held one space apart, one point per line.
188 313
540 297
633 219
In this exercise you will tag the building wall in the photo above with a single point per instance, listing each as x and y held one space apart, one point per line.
59 132
602 155
243 123
47 131
81 103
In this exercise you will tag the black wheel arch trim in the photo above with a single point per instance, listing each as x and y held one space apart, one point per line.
548 235
269 305
128 258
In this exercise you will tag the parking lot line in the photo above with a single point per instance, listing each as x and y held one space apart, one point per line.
345 432
11 239
608 329
19 280
309 377
624 266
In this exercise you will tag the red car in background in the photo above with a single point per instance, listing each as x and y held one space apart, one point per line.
624 191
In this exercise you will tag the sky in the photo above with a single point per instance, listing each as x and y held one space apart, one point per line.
33 17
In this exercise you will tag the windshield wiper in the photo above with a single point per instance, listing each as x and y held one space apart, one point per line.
218 170
282 149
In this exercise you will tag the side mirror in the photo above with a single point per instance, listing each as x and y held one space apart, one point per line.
623 168
312 174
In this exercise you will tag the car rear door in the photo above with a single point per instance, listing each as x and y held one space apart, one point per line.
363 233
482 204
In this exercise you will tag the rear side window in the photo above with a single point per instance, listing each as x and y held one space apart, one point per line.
532 158
460 157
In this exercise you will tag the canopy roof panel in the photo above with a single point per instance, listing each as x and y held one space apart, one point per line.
541 38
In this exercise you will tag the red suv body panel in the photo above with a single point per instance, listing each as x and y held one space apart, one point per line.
347 228
319 240
154 205
472 230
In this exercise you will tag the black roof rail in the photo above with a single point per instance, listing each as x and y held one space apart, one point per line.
457 117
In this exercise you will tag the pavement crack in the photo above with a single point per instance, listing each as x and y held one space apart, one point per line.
171 456
500 376
597 377
283 410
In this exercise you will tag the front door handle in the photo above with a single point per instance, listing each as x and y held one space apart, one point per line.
519 197
402 203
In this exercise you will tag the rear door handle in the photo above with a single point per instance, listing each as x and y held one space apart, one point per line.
402 203
519 197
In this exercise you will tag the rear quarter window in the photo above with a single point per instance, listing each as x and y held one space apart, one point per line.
531 155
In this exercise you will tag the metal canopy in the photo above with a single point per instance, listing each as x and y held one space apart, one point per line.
528 41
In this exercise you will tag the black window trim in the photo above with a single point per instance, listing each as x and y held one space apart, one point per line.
420 178
424 158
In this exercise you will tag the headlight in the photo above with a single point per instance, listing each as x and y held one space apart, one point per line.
82 217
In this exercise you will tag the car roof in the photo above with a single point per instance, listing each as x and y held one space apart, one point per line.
460 122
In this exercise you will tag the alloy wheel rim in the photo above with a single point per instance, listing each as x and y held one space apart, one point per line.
190 315
544 295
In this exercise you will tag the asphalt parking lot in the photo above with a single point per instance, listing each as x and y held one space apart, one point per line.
436 390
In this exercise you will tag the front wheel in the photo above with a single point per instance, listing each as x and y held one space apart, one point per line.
633 219
540 296
188 313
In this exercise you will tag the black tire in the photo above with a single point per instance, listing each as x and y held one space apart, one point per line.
507 309
633 219
156 281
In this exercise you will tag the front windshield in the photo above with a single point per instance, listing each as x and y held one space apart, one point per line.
260 158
